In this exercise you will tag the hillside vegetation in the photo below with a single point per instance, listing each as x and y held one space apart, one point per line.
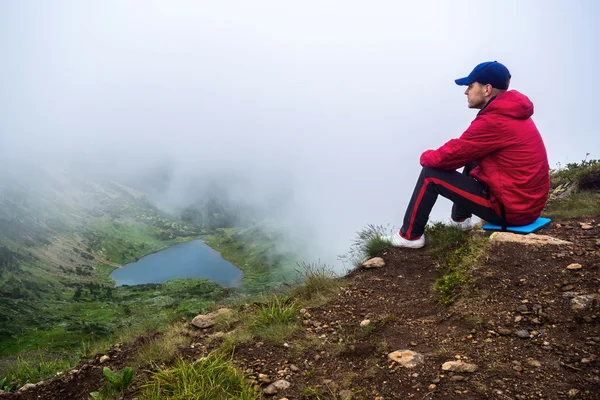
468 317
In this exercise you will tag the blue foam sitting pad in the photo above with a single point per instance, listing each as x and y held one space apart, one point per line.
532 227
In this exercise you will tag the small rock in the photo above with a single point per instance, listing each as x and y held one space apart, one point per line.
365 322
345 394
586 360
522 308
203 321
457 378
459 366
277 386
523 334
375 262
581 303
262 378
573 392
574 266
432 386
104 359
406 358
26 386
504 331
586 226
294 368
533 363
568 288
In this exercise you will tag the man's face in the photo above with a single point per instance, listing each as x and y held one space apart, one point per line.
476 95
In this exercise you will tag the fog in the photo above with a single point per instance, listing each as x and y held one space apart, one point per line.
316 110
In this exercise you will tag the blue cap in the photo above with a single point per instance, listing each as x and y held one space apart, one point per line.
490 72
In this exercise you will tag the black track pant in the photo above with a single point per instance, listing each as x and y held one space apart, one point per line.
468 195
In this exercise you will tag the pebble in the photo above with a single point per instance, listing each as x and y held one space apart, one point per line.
457 378
277 386
406 358
523 334
533 363
522 308
26 387
573 392
365 322
504 331
104 358
574 266
459 366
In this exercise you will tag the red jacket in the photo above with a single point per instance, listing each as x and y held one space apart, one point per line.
510 154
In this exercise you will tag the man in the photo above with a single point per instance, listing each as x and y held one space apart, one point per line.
505 180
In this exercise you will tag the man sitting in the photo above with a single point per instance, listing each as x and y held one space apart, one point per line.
506 176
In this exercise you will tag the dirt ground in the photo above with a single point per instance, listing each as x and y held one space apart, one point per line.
515 288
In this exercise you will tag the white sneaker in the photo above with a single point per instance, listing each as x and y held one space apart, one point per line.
465 225
399 241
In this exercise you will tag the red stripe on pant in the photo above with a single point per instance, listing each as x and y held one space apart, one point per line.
475 199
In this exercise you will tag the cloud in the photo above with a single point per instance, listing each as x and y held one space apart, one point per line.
325 106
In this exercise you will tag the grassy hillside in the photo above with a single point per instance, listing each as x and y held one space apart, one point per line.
60 237
59 243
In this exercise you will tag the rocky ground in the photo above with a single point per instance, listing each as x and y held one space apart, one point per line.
525 327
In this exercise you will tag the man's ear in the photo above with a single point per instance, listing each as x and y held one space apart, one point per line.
488 90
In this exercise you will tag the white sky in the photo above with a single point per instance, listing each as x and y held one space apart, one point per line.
331 102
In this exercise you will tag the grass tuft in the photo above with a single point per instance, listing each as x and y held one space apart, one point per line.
370 242
212 377
579 204
318 284
32 371
456 270
162 349
443 239
274 320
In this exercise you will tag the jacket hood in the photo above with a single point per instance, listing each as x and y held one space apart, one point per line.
512 104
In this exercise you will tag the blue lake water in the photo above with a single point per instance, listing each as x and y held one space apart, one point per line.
185 260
